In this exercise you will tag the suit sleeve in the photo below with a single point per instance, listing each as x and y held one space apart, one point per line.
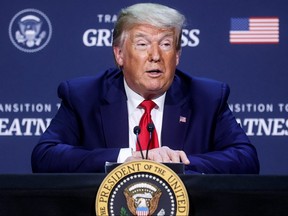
230 150
61 149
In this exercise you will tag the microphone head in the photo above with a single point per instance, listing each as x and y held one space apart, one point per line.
150 127
136 130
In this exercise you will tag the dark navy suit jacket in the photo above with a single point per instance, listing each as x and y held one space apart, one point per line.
92 125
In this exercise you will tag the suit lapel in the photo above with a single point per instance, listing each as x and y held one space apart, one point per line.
176 116
114 115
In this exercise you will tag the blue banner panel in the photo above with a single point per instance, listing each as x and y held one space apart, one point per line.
243 43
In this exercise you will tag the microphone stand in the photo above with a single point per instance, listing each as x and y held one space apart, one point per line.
150 128
137 131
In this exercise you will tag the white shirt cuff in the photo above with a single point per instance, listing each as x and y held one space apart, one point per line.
124 154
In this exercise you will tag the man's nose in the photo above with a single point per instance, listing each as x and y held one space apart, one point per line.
154 52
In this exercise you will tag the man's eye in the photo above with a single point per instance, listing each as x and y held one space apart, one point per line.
141 45
166 45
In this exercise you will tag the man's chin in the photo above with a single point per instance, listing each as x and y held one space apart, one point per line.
153 93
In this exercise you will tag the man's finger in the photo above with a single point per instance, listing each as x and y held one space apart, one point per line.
184 157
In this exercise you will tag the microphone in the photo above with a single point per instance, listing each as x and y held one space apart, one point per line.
137 131
150 128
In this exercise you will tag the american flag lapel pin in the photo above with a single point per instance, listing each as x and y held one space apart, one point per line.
182 119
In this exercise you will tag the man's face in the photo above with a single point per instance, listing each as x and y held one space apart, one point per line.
148 58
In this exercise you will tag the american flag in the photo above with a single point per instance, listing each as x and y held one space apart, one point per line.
182 119
254 30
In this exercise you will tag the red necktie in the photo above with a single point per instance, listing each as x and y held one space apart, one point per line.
144 135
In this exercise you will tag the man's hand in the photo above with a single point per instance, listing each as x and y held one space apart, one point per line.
163 154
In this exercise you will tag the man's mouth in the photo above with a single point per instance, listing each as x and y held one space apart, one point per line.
154 71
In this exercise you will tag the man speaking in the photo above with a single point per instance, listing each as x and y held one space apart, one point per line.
145 103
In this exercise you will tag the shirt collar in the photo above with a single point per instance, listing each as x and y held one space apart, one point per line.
135 99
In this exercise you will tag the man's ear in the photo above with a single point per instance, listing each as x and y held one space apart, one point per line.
118 55
178 57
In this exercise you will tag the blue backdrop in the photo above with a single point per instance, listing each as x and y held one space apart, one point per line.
44 42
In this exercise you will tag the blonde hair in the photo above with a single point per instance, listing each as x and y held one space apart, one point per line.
148 13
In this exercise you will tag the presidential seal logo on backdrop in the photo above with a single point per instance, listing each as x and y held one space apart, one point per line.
30 30
142 188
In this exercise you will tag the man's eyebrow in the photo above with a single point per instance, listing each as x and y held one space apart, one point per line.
144 35
140 34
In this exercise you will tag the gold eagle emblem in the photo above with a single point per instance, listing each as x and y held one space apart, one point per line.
142 197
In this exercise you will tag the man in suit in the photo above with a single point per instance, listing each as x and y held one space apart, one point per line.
191 119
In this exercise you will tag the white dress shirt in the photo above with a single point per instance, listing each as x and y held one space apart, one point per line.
134 114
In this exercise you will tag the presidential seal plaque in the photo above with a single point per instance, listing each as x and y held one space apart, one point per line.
142 188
